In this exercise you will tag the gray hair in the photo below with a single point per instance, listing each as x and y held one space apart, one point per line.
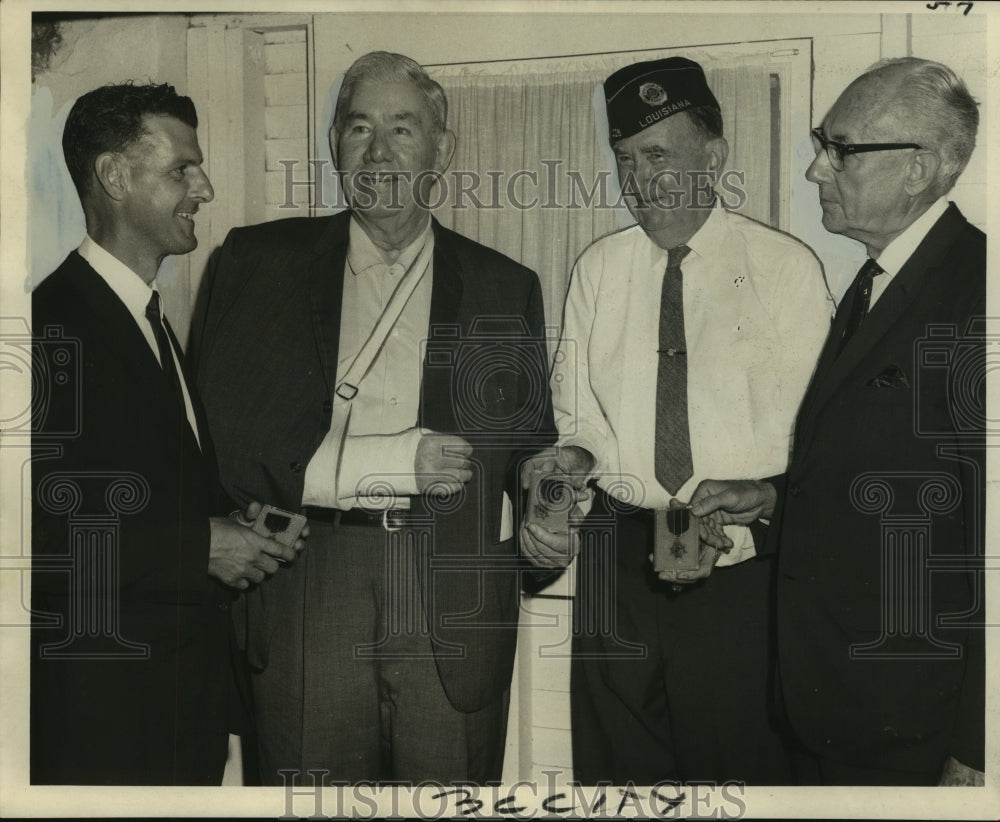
938 110
708 121
386 67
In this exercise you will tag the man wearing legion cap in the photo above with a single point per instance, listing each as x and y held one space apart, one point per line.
688 341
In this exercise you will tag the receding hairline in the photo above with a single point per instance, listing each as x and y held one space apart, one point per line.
391 68
869 104
424 114
884 87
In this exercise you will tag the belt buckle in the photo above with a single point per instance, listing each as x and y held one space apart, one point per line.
385 521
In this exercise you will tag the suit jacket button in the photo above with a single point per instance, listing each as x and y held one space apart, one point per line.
295 467
795 489
328 407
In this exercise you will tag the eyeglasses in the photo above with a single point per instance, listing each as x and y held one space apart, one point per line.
836 152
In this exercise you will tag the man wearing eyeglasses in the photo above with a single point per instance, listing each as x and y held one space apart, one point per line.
878 521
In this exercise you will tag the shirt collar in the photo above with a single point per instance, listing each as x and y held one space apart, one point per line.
708 238
127 285
895 255
703 241
363 254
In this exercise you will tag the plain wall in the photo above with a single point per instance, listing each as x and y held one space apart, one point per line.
94 52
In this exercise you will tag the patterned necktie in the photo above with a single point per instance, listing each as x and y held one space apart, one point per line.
862 299
673 438
163 344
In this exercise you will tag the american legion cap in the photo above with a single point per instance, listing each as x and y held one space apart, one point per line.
642 94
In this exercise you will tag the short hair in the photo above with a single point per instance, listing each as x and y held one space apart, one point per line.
708 121
386 67
109 118
938 110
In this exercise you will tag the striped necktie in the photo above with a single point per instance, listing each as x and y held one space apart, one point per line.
673 438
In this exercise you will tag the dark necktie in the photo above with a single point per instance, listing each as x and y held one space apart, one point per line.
862 299
163 344
673 438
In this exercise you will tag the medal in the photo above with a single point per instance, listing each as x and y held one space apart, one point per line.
676 541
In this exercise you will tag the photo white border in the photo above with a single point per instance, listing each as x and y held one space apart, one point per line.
19 799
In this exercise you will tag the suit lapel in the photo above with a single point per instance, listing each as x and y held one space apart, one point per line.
326 291
121 334
447 292
143 373
828 354
832 370
203 442
450 306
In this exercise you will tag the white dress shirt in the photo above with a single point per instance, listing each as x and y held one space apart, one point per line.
381 443
895 255
132 290
756 313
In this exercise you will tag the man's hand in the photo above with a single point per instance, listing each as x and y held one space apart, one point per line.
549 549
735 502
442 464
555 549
707 557
571 463
712 543
956 775
239 557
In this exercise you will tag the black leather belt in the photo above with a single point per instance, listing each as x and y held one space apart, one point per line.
391 519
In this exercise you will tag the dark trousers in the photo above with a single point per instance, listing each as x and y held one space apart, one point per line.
350 685
670 686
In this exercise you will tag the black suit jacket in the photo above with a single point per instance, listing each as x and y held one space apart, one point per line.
131 681
882 503
265 341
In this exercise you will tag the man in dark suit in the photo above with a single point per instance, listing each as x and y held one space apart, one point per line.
388 654
132 679
878 522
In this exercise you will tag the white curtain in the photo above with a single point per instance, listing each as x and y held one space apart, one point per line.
546 119
744 94
542 125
